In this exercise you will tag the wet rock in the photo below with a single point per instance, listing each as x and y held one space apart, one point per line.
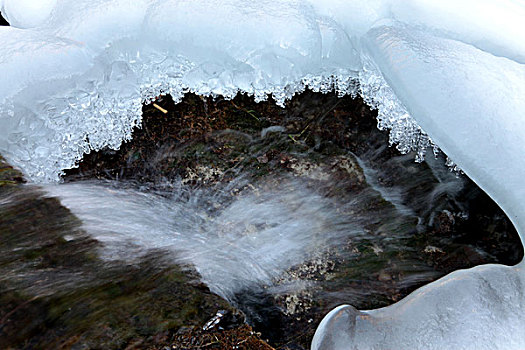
225 319
9 175
55 292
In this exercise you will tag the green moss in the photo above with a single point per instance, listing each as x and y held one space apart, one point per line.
109 306
130 303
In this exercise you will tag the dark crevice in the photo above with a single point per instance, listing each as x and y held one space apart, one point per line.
3 21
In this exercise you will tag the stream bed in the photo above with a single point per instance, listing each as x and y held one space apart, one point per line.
230 217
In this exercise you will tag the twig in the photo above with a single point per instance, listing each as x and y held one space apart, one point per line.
298 136
250 112
6 316
165 111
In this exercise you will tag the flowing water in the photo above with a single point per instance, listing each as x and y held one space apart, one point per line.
283 219
235 244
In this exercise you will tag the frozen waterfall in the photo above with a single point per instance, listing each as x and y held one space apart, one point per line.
75 74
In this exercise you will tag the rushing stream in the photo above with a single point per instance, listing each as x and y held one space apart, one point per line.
282 223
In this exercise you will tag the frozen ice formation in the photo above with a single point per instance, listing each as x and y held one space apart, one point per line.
75 73
27 13
479 308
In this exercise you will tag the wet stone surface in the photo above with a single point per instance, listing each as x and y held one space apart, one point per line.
55 292
413 224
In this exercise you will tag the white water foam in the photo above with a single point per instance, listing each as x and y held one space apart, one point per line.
235 245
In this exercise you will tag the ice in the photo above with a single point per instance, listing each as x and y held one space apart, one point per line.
479 308
440 72
132 51
27 13
120 52
493 26
479 124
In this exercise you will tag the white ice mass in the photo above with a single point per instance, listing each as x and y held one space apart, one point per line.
74 74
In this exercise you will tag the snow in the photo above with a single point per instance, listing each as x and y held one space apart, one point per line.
74 75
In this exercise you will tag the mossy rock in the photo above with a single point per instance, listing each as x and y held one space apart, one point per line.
56 292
